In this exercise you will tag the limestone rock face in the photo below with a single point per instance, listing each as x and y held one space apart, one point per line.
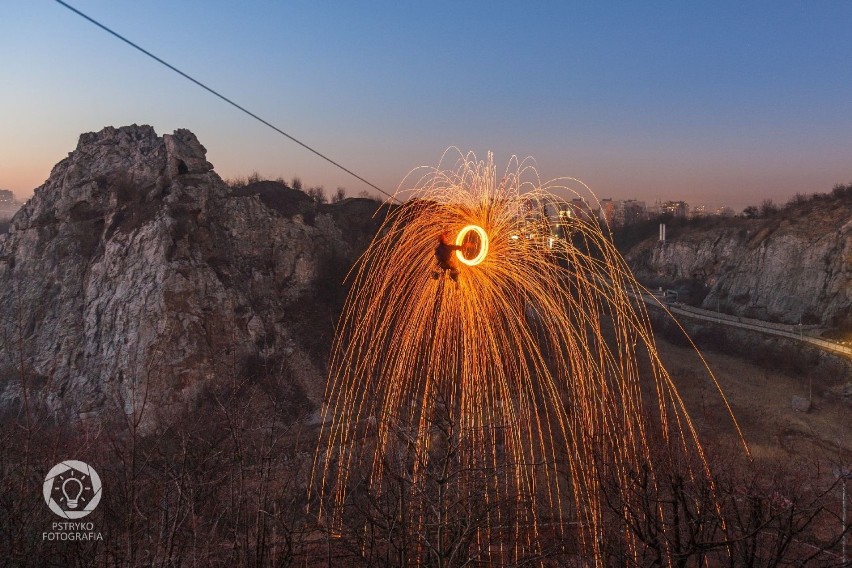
135 273
794 267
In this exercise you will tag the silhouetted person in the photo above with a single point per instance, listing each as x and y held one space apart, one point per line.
445 255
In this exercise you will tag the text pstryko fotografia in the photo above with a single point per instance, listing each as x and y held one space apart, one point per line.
72 531
72 490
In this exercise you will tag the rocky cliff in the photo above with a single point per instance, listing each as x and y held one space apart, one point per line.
135 274
793 266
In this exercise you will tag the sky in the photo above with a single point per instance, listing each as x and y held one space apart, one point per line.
711 102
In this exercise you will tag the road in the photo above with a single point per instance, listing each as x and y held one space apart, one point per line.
782 330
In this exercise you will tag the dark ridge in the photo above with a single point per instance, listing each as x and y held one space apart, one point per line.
275 195
359 218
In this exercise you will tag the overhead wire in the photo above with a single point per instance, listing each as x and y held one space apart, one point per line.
223 97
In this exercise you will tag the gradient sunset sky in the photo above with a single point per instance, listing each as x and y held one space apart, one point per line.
711 102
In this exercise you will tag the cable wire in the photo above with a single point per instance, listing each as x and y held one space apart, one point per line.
223 97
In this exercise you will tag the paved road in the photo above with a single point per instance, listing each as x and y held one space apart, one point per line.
769 328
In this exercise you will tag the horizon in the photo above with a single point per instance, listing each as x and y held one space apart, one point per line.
717 105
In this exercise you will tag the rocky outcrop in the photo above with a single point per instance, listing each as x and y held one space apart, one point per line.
136 274
793 267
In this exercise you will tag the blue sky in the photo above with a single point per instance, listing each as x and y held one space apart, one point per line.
710 102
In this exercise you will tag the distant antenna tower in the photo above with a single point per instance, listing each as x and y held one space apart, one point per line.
662 232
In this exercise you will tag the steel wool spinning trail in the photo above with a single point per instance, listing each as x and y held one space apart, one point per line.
529 365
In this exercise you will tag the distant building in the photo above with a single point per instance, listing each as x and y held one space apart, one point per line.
635 211
565 222
725 211
612 212
537 221
698 211
618 213
677 209
655 210
580 209
8 204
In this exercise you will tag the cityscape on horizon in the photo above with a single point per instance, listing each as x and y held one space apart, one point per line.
615 212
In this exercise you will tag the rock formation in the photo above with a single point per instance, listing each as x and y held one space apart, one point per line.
795 266
135 274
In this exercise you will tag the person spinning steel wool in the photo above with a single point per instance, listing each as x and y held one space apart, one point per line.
445 257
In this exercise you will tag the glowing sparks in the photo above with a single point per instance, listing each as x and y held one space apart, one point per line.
483 244
533 357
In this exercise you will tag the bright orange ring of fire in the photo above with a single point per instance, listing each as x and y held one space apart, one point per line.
483 244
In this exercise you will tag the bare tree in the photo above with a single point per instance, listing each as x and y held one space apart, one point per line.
317 193
339 195
438 510
743 516
768 208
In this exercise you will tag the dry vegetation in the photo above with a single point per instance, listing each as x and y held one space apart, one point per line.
829 209
225 485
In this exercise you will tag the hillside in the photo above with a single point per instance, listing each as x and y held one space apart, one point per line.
792 266
136 276
172 332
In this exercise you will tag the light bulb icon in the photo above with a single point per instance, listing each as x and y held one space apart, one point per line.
71 502
72 489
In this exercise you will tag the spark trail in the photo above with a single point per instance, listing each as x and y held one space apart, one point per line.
529 364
